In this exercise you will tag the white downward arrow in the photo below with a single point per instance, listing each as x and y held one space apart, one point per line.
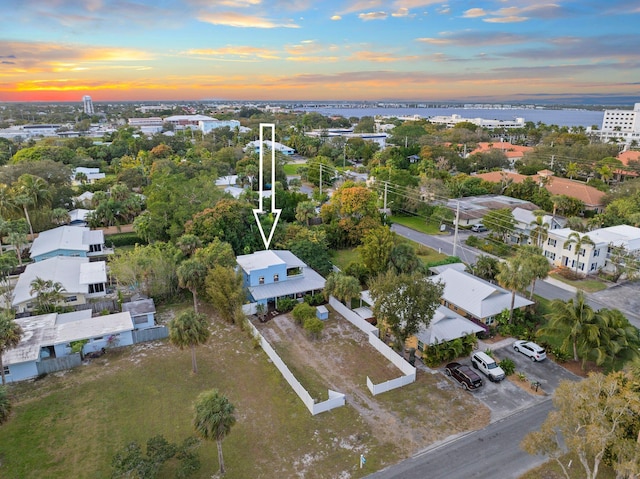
260 211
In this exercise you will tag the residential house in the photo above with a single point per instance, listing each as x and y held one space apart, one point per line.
254 147
85 199
523 220
78 217
50 336
81 280
142 311
472 209
631 161
446 325
91 175
273 274
512 152
76 241
592 198
474 298
590 258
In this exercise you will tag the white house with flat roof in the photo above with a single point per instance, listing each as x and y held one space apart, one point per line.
50 336
77 241
91 175
254 146
590 258
80 279
272 274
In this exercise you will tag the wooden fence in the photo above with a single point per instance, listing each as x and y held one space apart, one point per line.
52 365
150 334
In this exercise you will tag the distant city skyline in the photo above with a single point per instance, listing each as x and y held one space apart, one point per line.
359 50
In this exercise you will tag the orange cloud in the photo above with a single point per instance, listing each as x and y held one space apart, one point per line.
244 52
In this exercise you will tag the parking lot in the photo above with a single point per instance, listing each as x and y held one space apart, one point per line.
506 397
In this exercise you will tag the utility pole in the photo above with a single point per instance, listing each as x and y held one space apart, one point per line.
455 231
320 165
386 185
553 157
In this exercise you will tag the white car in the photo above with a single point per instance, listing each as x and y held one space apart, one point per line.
531 349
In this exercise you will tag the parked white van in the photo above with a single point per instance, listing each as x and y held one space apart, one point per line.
488 366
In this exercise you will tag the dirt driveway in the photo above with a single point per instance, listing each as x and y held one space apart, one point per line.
409 418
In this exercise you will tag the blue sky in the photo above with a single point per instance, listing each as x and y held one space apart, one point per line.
318 50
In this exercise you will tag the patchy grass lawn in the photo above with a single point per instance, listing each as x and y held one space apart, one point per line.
417 223
588 285
70 424
342 257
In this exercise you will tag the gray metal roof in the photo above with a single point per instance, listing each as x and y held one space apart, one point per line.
75 274
309 280
74 238
476 296
447 325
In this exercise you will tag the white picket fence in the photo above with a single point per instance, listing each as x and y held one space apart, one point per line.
335 400
409 371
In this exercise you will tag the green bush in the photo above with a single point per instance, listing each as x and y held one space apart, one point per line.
124 239
286 304
302 312
444 352
314 299
314 326
447 260
473 241
508 366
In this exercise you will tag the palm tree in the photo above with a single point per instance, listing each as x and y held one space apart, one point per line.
305 211
191 275
486 267
539 230
188 244
17 240
513 276
189 330
10 334
579 241
618 340
535 264
59 216
572 169
48 294
571 321
30 190
213 419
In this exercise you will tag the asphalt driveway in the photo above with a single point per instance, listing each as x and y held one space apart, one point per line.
506 397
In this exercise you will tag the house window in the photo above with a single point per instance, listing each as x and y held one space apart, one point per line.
582 252
596 253
140 320
581 266
98 339
490 320
420 346
96 288
261 280
594 266
276 278
568 247
75 255
95 248
551 242
70 299
6 371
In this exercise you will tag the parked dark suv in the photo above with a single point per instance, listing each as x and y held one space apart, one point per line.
462 373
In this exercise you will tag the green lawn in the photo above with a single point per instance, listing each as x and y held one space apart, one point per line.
587 285
291 169
342 257
416 223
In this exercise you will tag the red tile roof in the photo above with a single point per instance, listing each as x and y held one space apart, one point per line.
511 151
590 196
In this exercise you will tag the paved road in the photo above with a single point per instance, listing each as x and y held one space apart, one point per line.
442 243
479 454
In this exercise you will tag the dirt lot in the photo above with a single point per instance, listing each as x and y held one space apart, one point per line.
410 418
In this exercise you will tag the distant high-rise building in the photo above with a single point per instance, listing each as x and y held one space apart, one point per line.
87 104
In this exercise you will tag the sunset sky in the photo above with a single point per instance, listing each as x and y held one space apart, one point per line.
60 50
